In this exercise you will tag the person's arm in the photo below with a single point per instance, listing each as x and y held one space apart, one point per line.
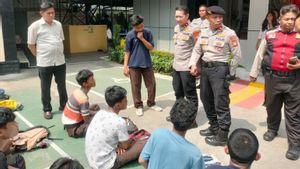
123 138
143 162
148 45
294 66
256 66
32 48
235 49
196 55
32 38
126 69
125 144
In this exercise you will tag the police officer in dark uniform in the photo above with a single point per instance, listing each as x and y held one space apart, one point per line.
216 44
280 53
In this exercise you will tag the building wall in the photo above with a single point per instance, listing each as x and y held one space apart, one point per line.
162 22
258 10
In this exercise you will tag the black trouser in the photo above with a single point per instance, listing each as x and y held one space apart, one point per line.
214 94
284 90
45 74
184 86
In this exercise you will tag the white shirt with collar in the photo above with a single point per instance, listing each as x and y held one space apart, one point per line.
49 42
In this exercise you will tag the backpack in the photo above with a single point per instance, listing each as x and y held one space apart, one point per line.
34 137
141 134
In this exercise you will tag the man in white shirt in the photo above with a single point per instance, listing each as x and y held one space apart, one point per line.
45 41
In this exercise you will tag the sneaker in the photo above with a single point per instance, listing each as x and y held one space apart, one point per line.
139 111
156 108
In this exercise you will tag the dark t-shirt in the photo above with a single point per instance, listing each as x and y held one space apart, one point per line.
139 56
221 167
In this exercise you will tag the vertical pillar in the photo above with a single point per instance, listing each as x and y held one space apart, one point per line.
9 63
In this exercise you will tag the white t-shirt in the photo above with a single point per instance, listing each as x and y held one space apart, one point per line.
105 131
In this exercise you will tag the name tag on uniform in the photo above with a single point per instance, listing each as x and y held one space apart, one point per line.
184 37
298 36
219 43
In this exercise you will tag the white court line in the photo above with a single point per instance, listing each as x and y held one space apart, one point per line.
52 144
96 70
160 76
91 91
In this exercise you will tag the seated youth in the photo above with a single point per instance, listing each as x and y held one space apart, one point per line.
107 143
78 112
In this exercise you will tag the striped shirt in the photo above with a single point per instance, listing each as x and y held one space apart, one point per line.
76 107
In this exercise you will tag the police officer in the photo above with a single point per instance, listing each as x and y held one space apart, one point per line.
201 22
216 44
183 82
198 25
282 83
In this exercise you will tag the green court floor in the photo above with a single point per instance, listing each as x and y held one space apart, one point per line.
31 115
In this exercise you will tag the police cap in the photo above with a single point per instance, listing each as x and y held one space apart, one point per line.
216 10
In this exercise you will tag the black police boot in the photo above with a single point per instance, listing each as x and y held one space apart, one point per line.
293 153
210 131
270 135
218 140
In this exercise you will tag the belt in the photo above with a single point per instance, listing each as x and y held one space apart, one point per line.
280 73
213 64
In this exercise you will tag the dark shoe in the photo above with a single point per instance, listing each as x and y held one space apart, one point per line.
270 135
48 115
293 153
168 118
208 132
218 140
214 141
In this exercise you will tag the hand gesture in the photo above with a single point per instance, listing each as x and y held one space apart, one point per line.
120 151
140 35
252 79
194 70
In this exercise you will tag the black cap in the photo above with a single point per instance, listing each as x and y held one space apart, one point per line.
216 10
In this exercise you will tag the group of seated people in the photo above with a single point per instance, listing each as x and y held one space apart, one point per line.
109 145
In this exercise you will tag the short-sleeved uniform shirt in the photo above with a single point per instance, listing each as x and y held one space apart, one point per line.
219 45
184 42
105 131
49 42
139 55
168 150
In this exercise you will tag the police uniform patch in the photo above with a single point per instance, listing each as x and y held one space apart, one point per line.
184 37
219 44
233 41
